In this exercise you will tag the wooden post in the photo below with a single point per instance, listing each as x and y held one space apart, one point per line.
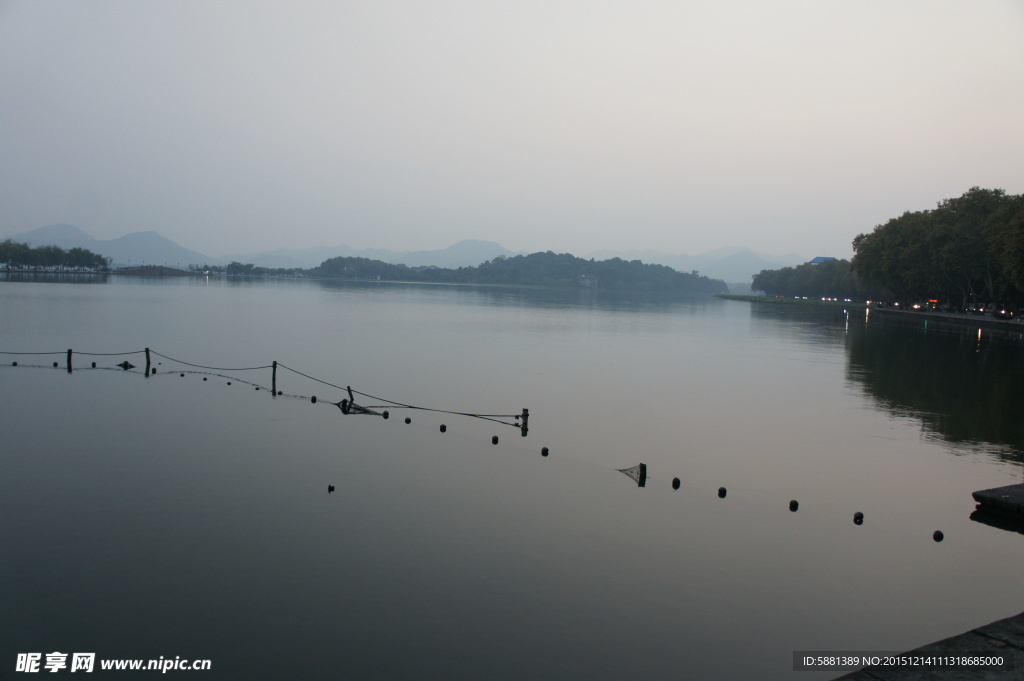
524 425
147 362
273 380
69 360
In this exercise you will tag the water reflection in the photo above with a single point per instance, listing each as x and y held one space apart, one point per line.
961 383
56 277
204 503
810 325
962 387
525 296
1000 521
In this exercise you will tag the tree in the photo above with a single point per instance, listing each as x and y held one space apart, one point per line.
832 279
21 255
966 251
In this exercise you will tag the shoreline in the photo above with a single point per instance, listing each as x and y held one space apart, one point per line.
159 271
961 318
977 321
779 300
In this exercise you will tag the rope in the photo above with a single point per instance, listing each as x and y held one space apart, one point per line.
200 366
440 411
281 366
61 352
109 354
399 405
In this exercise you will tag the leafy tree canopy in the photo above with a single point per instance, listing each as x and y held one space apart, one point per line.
537 269
966 252
831 279
22 255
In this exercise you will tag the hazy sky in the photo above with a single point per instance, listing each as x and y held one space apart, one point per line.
569 125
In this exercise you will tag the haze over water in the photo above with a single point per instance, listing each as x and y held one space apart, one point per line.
172 516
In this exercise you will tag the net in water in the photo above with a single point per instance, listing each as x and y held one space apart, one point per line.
638 473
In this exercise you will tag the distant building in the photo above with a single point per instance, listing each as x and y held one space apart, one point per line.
820 259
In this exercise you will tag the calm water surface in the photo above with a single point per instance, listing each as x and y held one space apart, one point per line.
172 516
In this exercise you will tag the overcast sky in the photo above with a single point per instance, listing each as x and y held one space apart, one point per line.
565 125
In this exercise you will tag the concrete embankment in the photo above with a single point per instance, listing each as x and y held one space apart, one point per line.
1003 639
977 321
1007 501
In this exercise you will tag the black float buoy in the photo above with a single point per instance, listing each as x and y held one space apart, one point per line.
93 365
313 399
543 451
938 536
280 392
14 364
204 378
494 440
154 370
182 375
229 382
858 518
721 492
54 364
330 488
443 428
794 505
385 415
257 387
675 483
408 420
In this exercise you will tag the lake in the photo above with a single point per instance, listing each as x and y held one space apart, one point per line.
178 515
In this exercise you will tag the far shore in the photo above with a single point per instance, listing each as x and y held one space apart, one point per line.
779 300
964 318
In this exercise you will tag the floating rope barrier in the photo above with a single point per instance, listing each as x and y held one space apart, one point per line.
522 417
347 406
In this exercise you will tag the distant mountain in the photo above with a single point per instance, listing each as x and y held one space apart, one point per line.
65 236
466 253
734 265
136 248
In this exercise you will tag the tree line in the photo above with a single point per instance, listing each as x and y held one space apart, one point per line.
18 255
248 269
537 269
831 279
967 253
